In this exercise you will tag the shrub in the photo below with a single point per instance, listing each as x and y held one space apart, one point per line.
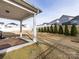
48 29
73 30
51 29
39 29
44 29
66 31
60 30
55 29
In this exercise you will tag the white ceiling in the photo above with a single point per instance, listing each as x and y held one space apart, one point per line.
10 11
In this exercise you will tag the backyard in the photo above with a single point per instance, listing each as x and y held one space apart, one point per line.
49 46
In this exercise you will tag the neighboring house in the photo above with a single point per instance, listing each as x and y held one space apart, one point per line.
23 25
45 24
65 19
42 25
75 21
10 25
54 21
13 27
62 19
1 25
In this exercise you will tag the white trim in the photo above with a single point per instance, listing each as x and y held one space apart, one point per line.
18 6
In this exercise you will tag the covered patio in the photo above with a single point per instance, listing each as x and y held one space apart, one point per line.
19 10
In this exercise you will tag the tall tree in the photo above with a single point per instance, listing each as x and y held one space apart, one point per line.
60 29
48 29
39 29
55 29
73 30
44 29
66 30
51 29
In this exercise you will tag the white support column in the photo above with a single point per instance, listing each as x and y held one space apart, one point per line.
21 28
34 29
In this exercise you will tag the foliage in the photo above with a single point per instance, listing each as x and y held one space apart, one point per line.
60 29
39 29
55 29
44 29
48 29
66 30
51 29
73 30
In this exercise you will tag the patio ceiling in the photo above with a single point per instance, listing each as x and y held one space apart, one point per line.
16 9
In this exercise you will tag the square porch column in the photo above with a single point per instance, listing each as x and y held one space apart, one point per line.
21 28
34 29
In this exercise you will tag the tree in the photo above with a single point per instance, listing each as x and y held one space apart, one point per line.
55 29
73 30
60 29
39 29
44 29
66 31
48 29
51 29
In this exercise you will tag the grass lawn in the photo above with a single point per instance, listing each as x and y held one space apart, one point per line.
29 52
32 51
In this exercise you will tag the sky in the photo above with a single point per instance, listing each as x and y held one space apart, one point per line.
53 9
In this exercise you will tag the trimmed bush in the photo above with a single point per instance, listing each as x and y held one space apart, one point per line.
39 29
55 29
60 29
44 29
73 30
66 30
48 29
51 29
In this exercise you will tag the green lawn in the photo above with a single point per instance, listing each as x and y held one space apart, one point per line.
28 52
23 53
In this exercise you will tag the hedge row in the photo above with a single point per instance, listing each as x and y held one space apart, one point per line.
59 29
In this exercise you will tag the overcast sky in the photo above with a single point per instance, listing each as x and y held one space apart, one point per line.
53 9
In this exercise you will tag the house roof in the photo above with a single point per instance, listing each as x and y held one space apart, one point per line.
1 22
17 9
12 24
